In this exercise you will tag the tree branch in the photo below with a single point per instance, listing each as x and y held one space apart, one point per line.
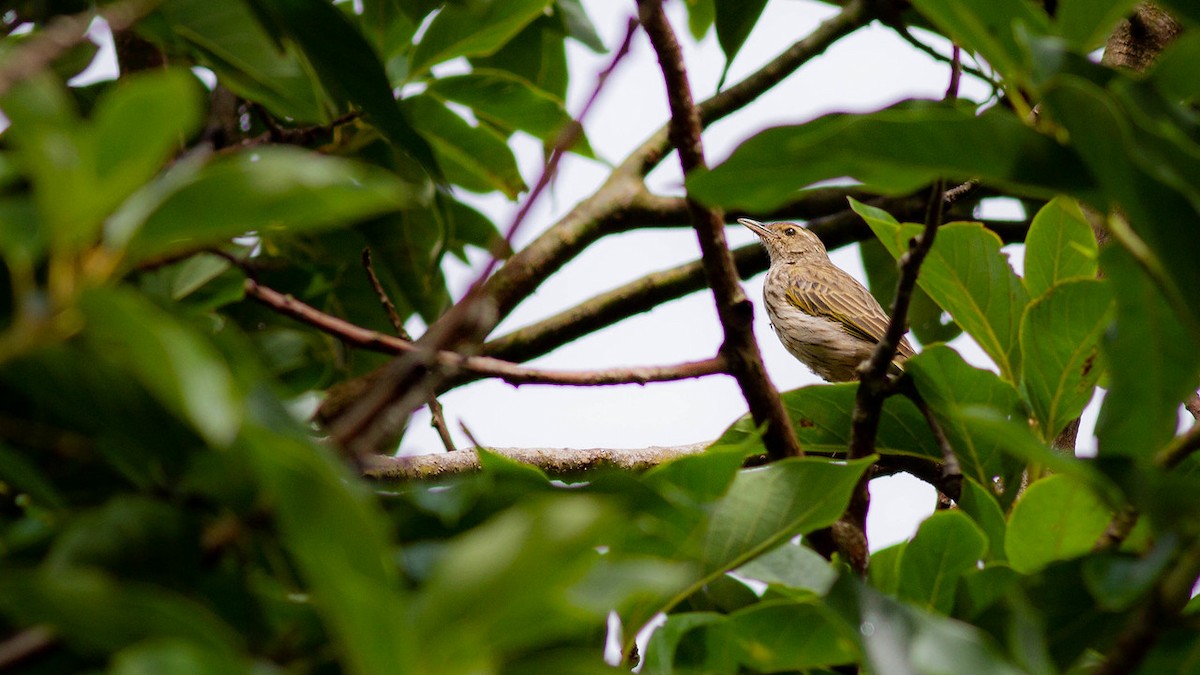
735 312
486 366
595 216
558 462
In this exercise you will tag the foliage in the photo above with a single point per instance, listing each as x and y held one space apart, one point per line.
164 508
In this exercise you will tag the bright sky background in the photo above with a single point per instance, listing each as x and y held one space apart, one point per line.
866 71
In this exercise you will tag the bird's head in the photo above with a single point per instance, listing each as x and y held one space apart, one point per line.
787 242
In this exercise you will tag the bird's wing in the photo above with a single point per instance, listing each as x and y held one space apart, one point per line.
849 304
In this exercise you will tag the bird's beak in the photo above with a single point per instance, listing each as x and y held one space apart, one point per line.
756 227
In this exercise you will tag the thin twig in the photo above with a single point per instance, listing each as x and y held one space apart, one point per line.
1180 448
25 644
874 385
911 39
511 373
437 414
733 309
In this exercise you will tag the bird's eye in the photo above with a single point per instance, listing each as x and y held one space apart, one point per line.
791 231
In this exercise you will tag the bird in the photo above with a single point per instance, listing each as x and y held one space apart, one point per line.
821 314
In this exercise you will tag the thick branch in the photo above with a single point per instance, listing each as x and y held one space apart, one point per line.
486 366
733 309
557 462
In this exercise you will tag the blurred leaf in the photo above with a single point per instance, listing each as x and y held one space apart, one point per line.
96 615
179 366
1086 23
703 478
1151 176
1118 580
1153 363
1060 246
1171 71
1060 337
226 38
577 24
22 475
268 190
509 102
1056 518
734 22
469 227
547 549
988 28
949 385
477 158
349 69
897 637
781 636
177 657
896 150
478 29
82 171
133 537
982 589
341 545
702 15
947 545
925 317
966 274
821 416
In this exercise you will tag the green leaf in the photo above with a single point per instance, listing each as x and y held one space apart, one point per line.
180 367
980 503
478 29
1086 23
476 158
988 28
703 478
1060 246
1060 338
925 317
275 189
777 636
225 37
349 68
884 572
947 545
792 566
1153 361
339 540
1056 518
537 54
949 385
897 150
509 102
763 507
734 21
768 505
821 416
702 14
96 615
967 275
661 650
